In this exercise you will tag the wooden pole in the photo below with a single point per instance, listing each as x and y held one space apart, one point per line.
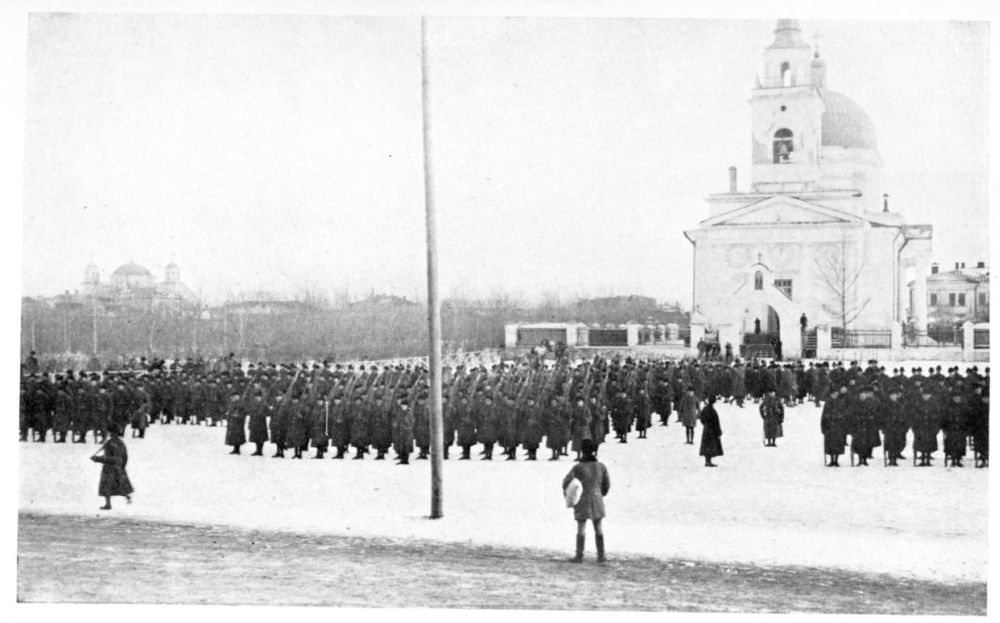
433 302
94 323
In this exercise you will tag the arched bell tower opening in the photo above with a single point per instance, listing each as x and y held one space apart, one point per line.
784 145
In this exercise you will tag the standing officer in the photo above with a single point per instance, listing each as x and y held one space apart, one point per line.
688 411
863 425
926 424
773 414
896 425
833 424
235 423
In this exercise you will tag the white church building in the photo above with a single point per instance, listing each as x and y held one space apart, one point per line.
814 236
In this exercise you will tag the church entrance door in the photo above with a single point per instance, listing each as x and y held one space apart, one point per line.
767 343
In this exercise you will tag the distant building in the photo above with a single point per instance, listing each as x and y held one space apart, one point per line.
132 284
958 295
381 301
266 306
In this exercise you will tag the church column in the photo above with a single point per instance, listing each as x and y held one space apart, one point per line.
510 336
903 292
920 295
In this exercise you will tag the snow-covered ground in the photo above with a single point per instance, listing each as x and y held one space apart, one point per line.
761 505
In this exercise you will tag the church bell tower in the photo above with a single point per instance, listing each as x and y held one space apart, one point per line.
787 116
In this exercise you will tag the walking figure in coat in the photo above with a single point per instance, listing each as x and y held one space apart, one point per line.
593 475
114 479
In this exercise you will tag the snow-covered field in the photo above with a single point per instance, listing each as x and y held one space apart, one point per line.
768 506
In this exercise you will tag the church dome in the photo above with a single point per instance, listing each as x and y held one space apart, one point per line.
845 123
131 270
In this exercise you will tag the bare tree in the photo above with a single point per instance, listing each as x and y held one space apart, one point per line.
839 270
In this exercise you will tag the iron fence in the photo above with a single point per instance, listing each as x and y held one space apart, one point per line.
980 338
609 337
934 337
861 338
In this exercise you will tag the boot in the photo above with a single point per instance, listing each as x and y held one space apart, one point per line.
358 456
423 455
512 454
531 455
466 450
600 548
340 452
319 453
581 541
380 456
489 453
446 453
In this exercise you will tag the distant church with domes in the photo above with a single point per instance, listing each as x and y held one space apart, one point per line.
134 283
813 241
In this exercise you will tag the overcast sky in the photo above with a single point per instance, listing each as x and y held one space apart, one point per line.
283 153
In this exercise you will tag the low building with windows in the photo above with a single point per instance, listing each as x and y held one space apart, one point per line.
960 294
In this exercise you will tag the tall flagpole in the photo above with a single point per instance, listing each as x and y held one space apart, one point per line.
433 301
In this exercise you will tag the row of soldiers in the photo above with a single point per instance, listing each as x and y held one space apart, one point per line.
884 411
504 406
78 405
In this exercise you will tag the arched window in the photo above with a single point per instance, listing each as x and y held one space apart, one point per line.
786 74
783 145
758 280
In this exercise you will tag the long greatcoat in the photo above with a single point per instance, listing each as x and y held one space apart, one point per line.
318 424
687 408
580 423
279 421
833 425
711 432
339 426
258 421
926 424
557 432
488 425
235 424
773 414
114 479
298 425
738 387
864 428
896 426
955 428
593 475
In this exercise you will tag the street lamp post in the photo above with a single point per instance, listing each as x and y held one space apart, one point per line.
433 301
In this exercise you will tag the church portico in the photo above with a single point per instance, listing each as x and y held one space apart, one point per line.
814 241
